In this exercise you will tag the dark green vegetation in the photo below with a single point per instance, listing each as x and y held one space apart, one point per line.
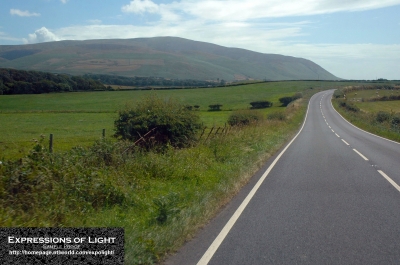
162 121
33 82
373 108
144 82
286 100
166 57
261 104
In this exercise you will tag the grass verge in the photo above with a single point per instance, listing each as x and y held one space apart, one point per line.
367 119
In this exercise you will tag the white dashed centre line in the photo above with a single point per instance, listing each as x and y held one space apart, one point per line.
366 159
337 135
389 179
345 142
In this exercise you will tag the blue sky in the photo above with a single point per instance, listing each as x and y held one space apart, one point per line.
353 39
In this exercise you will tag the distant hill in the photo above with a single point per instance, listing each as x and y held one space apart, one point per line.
168 57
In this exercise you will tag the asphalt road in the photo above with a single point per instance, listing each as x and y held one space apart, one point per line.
330 197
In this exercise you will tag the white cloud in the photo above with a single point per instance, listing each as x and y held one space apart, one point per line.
21 13
41 35
140 7
246 10
64 1
95 21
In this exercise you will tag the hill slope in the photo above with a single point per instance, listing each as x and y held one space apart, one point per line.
168 57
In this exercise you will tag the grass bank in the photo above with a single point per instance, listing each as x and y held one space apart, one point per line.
378 117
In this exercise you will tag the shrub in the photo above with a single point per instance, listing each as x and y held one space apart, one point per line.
244 117
215 107
348 106
338 94
382 116
285 101
396 122
168 122
262 104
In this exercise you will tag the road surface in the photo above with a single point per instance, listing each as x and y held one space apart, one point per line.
330 197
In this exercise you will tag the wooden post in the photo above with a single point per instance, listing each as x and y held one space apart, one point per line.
104 133
209 133
51 143
204 129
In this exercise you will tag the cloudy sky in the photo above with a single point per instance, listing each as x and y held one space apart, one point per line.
353 39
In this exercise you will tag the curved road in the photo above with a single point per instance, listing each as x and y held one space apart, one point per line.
330 197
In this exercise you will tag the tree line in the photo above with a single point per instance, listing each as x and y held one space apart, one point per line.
14 81
140 81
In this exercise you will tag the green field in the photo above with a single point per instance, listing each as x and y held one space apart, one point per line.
388 106
79 118
371 93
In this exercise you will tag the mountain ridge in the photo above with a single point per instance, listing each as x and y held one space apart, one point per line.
168 57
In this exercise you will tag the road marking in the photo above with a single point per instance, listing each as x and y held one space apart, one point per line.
337 135
332 130
345 142
224 232
366 159
330 127
389 179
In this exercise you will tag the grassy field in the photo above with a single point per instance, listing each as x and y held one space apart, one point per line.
374 107
368 94
79 118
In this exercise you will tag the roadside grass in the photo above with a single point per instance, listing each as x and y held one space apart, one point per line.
366 118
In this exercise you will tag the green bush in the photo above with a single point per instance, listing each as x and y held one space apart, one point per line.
395 122
285 101
215 107
166 121
262 104
382 116
348 106
244 117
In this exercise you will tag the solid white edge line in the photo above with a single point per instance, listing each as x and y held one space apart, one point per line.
366 159
345 142
390 180
224 232
359 128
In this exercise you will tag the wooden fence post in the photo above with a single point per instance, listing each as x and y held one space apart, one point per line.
51 143
210 133
104 133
